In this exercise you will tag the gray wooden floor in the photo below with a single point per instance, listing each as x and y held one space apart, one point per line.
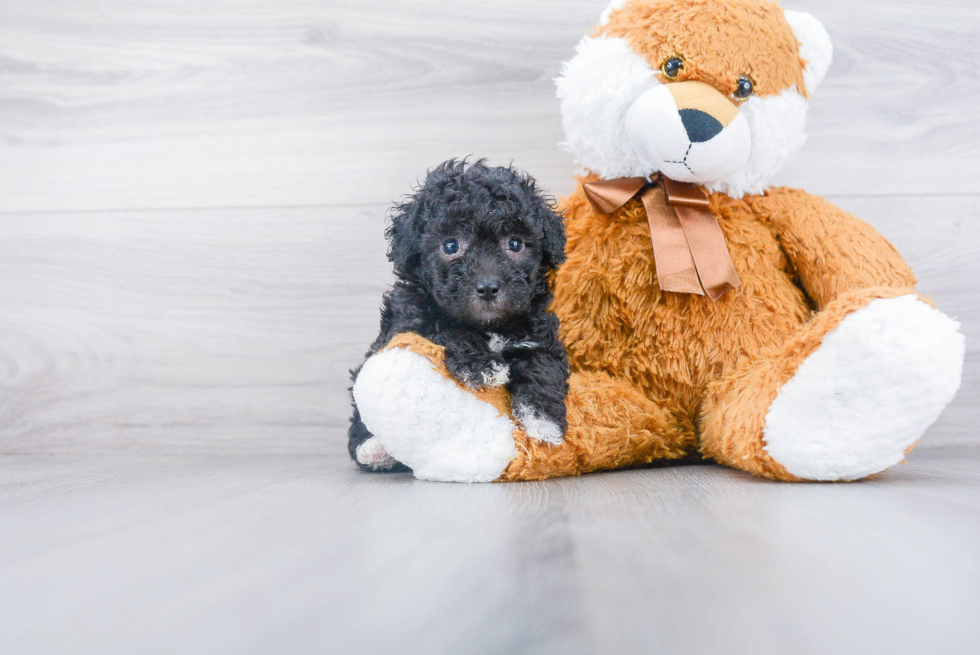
192 198
301 554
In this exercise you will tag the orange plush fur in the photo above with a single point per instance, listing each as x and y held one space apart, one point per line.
756 42
715 369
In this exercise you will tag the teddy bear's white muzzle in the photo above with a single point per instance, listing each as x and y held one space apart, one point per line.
689 132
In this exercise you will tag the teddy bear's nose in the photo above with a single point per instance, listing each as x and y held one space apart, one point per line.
700 125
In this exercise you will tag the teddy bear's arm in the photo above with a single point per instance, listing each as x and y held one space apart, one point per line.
832 251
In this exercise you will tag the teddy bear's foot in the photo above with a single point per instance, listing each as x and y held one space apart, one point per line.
864 397
423 418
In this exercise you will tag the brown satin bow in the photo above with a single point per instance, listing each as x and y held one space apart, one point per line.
688 245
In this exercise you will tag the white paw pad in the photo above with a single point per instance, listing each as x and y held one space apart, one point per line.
428 423
868 393
536 426
373 455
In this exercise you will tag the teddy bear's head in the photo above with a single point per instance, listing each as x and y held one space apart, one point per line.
707 91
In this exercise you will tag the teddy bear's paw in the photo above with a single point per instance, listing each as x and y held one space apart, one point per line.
373 456
863 399
426 421
538 426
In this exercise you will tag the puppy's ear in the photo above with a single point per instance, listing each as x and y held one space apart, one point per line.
407 221
547 217
404 232
553 225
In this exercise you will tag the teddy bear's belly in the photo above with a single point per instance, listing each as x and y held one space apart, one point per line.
616 319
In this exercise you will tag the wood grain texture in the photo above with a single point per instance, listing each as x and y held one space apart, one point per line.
305 555
176 103
192 194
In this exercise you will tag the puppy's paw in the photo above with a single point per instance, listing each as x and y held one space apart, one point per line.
478 372
538 426
372 456
496 376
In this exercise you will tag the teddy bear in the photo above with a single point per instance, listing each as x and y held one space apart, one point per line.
707 314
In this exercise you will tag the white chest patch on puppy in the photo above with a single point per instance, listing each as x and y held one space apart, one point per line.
525 345
498 342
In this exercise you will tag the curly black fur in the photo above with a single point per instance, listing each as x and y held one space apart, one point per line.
472 250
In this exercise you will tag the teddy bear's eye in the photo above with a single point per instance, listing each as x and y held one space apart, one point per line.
744 88
673 67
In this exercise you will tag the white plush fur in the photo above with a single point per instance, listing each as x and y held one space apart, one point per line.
613 6
371 453
596 90
599 87
427 422
600 84
537 426
874 386
778 128
816 47
656 131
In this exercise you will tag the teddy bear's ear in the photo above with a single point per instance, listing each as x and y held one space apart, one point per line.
815 47
613 6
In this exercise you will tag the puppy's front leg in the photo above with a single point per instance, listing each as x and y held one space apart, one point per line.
538 389
470 360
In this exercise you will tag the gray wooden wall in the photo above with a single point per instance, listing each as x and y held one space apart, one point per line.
192 192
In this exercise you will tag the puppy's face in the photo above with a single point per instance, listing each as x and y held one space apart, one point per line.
481 269
481 240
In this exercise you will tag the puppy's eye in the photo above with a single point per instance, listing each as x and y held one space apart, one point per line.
515 245
744 88
672 67
450 246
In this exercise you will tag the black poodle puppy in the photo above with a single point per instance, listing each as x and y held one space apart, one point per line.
473 249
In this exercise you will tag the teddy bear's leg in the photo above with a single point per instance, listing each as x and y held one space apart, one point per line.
846 398
611 425
449 433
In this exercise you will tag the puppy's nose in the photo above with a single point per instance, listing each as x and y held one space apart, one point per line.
701 126
487 289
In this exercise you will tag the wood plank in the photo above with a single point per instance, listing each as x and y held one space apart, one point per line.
227 330
304 554
233 330
170 103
